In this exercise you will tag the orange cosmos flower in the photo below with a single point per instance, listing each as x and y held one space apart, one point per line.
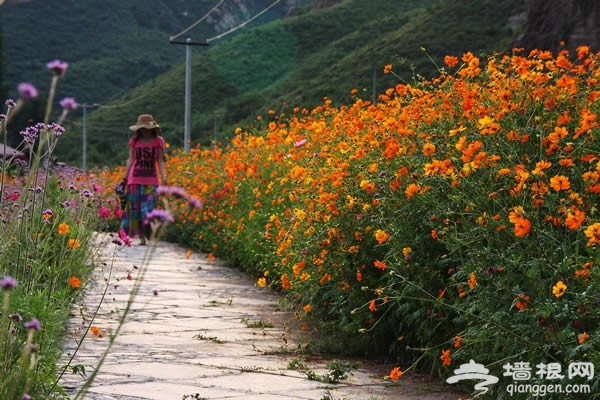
74 282
522 226
434 235
96 331
63 228
560 182
540 166
367 186
445 357
450 61
429 149
457 341
411 190
74 243
575 218
395 374
307 308
472 281
372 306
381 236
522 302
380 265
582 338
285 283
387 68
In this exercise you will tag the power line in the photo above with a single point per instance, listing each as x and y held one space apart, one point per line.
198 21
235 28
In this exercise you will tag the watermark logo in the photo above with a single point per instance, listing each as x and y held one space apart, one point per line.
521 372
474 371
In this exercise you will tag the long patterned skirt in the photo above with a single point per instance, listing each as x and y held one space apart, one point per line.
141 199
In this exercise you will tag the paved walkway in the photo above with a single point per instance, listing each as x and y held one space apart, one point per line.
200 330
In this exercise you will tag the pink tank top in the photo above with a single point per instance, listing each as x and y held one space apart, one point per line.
144 170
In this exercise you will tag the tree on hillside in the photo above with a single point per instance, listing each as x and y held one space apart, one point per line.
550 22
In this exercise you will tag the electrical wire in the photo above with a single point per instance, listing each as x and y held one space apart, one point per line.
198 21
235 28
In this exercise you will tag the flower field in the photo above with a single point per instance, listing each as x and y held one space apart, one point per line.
453 219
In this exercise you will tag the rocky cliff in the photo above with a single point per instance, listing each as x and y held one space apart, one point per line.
550 23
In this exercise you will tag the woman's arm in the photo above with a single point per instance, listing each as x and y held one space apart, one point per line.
129 164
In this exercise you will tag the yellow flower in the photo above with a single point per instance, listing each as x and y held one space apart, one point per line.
559 289
261 282
592 232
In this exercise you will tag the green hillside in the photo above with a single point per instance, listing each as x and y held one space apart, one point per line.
282 64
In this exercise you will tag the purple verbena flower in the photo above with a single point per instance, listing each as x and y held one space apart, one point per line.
69 103
58 67
158 215
57 129
10 103
8 282
27 91
33 324
26 396
175 191
30 135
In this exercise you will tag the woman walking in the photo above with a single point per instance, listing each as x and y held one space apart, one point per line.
145 164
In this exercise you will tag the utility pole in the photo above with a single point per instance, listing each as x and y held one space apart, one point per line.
188 91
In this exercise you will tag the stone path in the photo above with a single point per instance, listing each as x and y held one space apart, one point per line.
201 330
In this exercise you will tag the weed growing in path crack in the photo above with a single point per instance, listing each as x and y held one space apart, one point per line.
213 339
336 371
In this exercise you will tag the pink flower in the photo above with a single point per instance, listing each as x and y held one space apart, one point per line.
96 187
300 143
104 213
124 237
118 213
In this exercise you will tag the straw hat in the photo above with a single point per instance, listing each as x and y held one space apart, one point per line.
144 121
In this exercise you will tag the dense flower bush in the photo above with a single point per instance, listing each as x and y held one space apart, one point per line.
453 219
